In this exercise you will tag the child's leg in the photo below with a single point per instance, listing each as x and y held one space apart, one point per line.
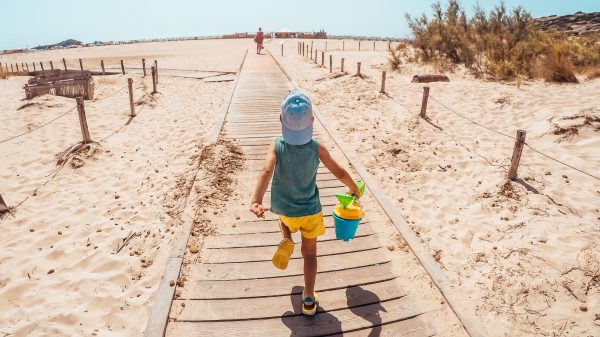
309 253
285 231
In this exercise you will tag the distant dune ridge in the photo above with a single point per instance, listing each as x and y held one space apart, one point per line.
573 24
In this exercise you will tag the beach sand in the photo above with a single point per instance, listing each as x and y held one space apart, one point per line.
60 273
525 254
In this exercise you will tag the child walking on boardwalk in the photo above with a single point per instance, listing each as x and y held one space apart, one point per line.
292 162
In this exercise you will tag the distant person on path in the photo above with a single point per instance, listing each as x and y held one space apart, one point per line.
259 40
292 161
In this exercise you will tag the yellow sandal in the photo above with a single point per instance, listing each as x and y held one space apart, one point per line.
310 309
283 253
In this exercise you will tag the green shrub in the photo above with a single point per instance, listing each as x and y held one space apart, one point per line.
499 45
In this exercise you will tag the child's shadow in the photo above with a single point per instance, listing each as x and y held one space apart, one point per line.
322 323
361 302
366 304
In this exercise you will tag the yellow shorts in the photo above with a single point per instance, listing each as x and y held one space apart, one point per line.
310 226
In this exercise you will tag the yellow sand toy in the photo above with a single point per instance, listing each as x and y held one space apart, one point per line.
347 213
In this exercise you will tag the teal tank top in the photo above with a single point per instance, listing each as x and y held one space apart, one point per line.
294 191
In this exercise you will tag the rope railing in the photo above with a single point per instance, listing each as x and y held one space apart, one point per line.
480 125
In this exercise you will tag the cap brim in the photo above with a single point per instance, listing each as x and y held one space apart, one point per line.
294 137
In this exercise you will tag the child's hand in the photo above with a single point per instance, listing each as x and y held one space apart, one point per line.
258 210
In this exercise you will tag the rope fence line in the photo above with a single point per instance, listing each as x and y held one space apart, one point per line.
480 125
39 127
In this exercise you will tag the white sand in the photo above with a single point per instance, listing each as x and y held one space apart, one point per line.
75 223
511 252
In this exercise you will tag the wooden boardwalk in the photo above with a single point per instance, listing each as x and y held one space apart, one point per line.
234 290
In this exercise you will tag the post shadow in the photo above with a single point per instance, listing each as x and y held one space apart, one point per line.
365 304
322 323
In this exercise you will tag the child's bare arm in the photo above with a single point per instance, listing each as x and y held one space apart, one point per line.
338 171
262 183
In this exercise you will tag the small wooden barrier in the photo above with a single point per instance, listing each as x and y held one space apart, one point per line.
34 66
322 59
85 133
303 49
430 78
42 66
342 66
358 69
122 67
516 157
153 70
102 65
130 87
81 64
12 70
383 73
70 83
330 63
64 63
144 66
51 65
17 65
424 102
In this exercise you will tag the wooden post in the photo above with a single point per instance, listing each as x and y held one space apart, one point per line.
389 45
342 64
282 49
153 70
1 69
330 63
27 66
122 67
12 70
311 46
42 66
373 45
81 64
358 69
83 121
325 45
51 65
102 65
424 101
144 66
130 86
343 45
516 157
17 65
322 59
316 57
382 82
22 66
358 45
65 64
307 49
34 66
303 49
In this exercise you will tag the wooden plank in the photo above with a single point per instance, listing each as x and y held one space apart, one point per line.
254 270
162 300
272 239
323 323
326 280
253 254
279 306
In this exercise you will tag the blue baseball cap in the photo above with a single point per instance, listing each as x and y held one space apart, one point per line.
296 118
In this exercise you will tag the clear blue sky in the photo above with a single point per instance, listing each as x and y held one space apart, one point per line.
28 23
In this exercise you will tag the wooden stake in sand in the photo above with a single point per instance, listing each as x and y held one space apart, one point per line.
102 65
65 64
343 45
516 157
122 67
17 65
51 65
27 66
130 86
325 45
316 53
3 207
34 66
342 64
282 49
330 63
42 66
373 45
311 47
358 45
144 66
1 68
81 64
322 59
382 82
153 71
424 101
389 45
358 69
83 121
